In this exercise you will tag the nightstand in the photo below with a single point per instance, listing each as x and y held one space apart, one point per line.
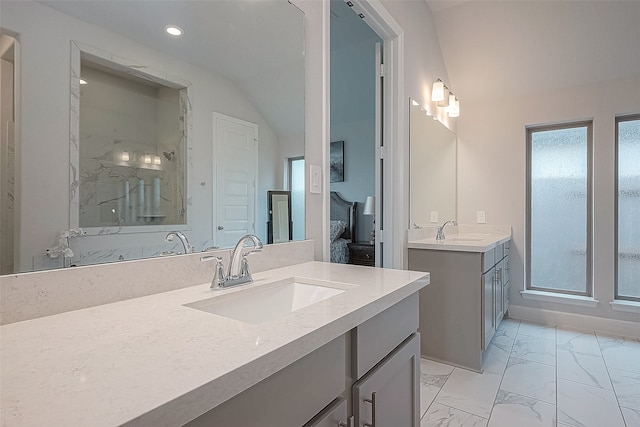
362 253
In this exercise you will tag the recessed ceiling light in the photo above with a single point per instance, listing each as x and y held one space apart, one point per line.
174 30
83 82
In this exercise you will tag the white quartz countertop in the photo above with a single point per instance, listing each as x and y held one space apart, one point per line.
461 238
152 361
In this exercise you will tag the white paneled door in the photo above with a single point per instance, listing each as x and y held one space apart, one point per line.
236 159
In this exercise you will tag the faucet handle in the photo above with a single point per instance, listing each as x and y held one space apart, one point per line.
244 267
219 278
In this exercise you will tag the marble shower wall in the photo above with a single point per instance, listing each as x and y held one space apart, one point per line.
132 144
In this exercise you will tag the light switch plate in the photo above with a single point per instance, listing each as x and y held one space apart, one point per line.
434 216
481 217
315 181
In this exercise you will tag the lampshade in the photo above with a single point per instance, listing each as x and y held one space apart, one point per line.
370 206
455 112
437 92
452 103
444 102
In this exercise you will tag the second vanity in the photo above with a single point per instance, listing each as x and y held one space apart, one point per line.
469 292
177 358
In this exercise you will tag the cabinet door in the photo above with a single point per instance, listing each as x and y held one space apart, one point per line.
505 285
488 303
389 394
334 415
499 311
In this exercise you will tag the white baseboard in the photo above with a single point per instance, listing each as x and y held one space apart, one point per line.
576 321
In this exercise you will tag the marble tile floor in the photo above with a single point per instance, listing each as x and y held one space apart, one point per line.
537 375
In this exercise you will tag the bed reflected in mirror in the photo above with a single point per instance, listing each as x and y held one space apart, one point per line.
279 225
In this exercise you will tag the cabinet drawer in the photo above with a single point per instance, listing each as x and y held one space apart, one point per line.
378 336
304 388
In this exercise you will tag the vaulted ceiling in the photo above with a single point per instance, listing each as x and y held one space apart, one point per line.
499 49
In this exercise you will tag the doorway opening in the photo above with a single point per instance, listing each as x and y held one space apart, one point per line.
390 143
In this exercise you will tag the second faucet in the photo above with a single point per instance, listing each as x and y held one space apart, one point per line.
440 235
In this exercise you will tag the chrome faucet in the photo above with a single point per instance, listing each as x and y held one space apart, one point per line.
238 272
440 235
188 247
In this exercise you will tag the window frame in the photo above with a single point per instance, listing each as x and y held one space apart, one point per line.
530 130
619 119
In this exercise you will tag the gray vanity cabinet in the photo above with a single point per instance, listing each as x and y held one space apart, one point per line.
464 304
328 387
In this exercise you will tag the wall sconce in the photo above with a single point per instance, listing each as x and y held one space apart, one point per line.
138 159
445 98
437 92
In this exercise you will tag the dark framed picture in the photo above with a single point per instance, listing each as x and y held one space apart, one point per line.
336 160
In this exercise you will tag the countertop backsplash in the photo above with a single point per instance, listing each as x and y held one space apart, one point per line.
32 295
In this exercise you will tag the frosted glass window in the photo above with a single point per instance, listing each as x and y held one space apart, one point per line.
558 211
628 246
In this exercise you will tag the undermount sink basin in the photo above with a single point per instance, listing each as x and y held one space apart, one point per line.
269 301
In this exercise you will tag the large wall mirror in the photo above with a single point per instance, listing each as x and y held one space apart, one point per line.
118 133
432 152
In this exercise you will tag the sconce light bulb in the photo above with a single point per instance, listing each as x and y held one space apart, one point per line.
125 156
157 160
437 92
147 158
